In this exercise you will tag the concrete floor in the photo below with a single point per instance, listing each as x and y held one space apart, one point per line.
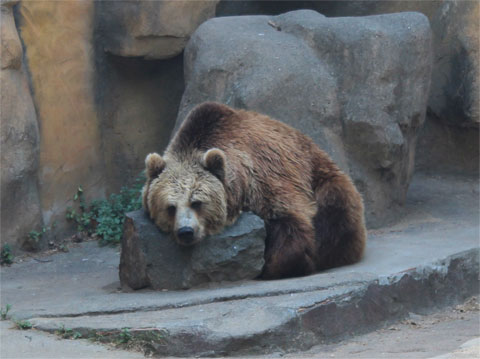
453 333
80 289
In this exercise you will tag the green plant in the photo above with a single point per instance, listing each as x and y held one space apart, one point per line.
124 336
94 336
110 214
4 312
6 256
83 218
23 324
35 236
67 333
104 218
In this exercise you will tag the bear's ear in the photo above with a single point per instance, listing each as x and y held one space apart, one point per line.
154 165
214 161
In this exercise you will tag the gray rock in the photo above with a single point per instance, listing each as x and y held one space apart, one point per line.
150 258
456 90
357 86
455 85
19 140
152 29
448 149
448 143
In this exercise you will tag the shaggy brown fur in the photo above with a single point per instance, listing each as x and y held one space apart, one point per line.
223 161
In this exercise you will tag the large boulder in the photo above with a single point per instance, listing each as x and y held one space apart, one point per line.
455 85
152 29
455 88
357 86
19 140
448 143
150 258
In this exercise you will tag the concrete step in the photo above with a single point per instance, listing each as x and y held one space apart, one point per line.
289 322
428 260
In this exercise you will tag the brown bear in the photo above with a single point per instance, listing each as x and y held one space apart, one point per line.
223 161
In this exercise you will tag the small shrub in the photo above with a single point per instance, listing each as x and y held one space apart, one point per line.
105 218
124 336
67 333
94 336
4 312
36 236
23 324
6 256
83 218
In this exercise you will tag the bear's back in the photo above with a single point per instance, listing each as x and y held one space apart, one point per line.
206 126
212 124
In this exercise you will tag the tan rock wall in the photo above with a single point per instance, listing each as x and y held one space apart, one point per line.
98 114
19 141
58 39
152 29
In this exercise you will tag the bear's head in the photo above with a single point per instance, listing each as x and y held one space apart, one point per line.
186 196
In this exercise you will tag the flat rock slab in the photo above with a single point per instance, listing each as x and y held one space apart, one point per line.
151 258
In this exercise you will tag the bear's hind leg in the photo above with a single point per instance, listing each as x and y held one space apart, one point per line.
339 224
289 248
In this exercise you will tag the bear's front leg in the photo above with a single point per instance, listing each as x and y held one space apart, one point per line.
289 248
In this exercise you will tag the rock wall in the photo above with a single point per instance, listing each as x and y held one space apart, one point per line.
104 99
106 79
450 140
19 141
152 29
58 40
137 102
139 77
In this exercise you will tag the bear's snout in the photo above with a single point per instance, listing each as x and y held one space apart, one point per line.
186 235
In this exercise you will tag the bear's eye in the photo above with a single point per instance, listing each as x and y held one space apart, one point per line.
196 205
171 210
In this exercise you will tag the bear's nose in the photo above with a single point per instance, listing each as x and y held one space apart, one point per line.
185 234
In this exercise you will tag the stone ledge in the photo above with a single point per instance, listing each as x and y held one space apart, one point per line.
294 321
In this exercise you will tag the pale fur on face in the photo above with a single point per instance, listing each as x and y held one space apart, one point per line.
184 194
